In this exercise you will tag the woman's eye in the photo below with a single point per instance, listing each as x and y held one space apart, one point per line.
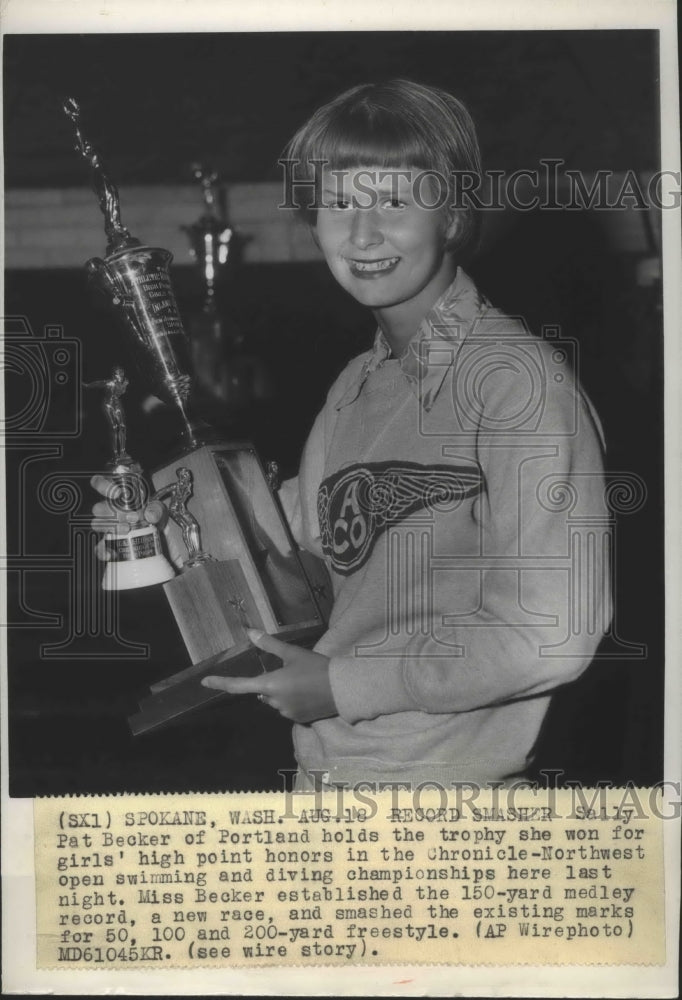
339 206
394 203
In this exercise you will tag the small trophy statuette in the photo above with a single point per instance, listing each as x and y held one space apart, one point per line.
176 496
113 408
135 559
118 237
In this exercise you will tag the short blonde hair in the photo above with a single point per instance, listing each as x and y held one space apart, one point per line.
396 124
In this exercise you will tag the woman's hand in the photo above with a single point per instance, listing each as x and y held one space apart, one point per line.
108 519
300 690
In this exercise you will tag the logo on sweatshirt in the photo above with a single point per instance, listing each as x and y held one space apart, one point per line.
357 504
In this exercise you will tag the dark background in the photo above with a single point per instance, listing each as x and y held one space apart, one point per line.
156 103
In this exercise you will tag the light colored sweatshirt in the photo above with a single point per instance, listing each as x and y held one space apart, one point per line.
457 495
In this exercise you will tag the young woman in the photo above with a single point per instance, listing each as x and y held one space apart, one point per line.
453 481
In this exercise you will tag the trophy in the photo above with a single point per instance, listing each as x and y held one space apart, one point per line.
135 559
222 364
257 577
210 236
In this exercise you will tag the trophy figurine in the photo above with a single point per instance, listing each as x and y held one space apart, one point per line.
176 496
136 281
208 597
257 573
135 559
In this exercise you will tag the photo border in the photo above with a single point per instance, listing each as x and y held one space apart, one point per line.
20 975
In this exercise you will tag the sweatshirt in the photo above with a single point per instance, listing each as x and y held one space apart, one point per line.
457 496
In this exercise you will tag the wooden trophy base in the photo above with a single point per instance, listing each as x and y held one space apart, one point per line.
240 519
258 579
175 696
213 607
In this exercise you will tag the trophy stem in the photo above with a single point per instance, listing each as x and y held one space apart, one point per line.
189 427
195 432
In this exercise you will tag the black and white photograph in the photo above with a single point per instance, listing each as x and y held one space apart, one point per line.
271 312
334 402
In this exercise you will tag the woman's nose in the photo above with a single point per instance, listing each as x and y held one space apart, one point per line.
365 229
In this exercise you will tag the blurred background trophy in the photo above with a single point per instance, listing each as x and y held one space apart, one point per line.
210 238
224 368
263 580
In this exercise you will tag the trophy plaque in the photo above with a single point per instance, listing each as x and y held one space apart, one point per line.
243 568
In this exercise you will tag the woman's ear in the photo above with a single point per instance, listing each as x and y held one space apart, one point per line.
452 227
312 229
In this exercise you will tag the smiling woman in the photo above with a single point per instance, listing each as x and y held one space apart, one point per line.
438 480
384 247
453 482
384 160
385 156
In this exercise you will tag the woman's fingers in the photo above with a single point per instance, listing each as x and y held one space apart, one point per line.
106 519
155 512
103 509
300 690
236 685
101 551
105 487
269 644
110 527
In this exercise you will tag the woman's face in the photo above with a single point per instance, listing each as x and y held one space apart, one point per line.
380 239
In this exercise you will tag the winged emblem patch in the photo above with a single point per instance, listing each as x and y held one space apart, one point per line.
358 503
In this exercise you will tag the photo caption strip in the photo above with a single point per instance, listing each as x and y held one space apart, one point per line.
457 877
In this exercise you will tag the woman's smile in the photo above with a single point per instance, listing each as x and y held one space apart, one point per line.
375 268
384 245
